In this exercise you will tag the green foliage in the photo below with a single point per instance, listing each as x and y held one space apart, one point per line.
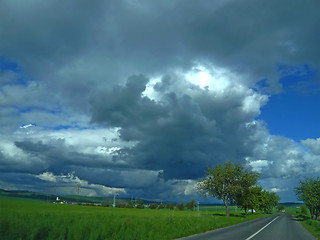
244 194
229 182
304 210
121 205
170 206
130 204
180 206
280 208
191 205
140 204
161 206
269 201
309 193
311 225
153 206
37 220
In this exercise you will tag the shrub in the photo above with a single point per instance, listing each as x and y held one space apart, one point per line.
140 204
304 210
120 205
280 208
170 206
180 206
130 204
161 206
153 206
191 205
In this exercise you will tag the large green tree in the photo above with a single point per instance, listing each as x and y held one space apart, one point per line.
228 182
309 193
244 192
262 200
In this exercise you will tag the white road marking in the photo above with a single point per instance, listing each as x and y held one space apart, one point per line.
261 229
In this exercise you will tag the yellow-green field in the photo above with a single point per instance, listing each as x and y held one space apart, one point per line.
38 220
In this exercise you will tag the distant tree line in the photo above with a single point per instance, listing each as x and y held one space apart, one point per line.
309 193
233 184
171 206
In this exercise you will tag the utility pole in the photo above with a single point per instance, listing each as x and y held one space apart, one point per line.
114 200
78 192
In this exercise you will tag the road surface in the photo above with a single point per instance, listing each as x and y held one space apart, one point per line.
281 226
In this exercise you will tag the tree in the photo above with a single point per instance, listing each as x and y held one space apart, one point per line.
153 206
140 204
280 208
309 193
262 200
130 204
304 210
244 191
191 205
224 182
180 206
255 198
170 206
269 201
161 206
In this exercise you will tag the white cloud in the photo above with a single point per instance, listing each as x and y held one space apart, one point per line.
258 165
312 144
69 181
27 126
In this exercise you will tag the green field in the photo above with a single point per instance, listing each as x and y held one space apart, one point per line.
21 219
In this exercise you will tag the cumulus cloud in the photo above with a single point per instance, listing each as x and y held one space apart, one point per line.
313 145
186 128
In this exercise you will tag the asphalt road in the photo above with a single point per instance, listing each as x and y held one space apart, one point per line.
281 226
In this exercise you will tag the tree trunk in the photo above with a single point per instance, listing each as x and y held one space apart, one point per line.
227 207
245 210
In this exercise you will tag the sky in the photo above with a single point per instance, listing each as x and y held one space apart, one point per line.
139 97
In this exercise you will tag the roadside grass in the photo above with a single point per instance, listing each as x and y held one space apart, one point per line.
313 226
39 220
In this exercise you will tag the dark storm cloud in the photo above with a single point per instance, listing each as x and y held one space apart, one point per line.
180 133
141 36
60 158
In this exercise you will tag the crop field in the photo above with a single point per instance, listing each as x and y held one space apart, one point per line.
21 219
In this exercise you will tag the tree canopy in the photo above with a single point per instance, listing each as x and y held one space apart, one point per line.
232 183
309 193
229 182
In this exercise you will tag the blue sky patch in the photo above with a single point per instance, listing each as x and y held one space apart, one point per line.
292 113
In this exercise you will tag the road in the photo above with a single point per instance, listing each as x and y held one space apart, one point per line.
281 226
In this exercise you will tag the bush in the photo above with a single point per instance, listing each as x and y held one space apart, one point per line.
170 206
120 205
280 208
153 206
161 206
304 210
191 205
180 206
130 204
140 204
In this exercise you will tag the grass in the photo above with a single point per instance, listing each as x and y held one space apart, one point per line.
40 220
313 226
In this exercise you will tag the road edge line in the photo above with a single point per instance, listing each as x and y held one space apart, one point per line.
261 229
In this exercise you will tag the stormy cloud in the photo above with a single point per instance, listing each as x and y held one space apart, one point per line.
141 97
